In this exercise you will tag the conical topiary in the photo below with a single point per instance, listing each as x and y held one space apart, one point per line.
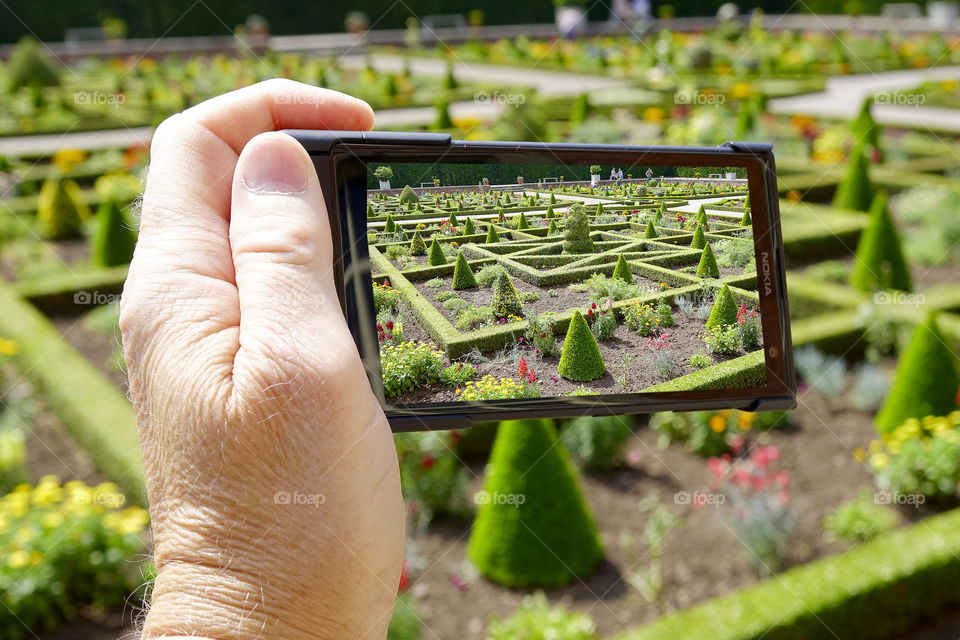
650 231
369 210
468 227
553 200
746 220
522 222
856 192
113 242
533 528
389 226
576 231
724 310
436 257
505 301
462 275
492 235
880 263
441 118
926 381
865 128
708 264
622 270
580 359
417 246
408 195
699 240
550 214
61 211
599 210
453 220
552 230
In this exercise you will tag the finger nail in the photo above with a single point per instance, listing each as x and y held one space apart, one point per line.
273 165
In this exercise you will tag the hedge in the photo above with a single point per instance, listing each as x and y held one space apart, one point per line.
58 293
879 589
92 409
746 371
839 333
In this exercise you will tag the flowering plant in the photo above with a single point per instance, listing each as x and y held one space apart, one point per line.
408 366
641 318
433 480
757 501
748 327
920 457
491 388
385 296
661 353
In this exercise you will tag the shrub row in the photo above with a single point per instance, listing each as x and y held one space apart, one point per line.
745 371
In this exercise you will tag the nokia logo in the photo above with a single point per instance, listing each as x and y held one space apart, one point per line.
766 272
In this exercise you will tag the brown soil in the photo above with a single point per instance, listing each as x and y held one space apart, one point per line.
97 347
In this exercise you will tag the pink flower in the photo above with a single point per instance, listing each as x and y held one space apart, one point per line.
634 457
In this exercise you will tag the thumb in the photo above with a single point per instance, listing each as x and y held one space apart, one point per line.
290 316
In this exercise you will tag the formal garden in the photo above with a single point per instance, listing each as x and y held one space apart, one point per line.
837 519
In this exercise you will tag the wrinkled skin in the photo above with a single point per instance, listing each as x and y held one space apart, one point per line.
248 387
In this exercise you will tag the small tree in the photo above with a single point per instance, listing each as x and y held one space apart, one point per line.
492 235
468 227
61 211
462 274
724 311
622 270
708 264
505 300
522 222
389 226
552 230
926 381
856 192
650 232
699 240
436 257
580 359
549 215
880 263
746 221
383 173
417 246
114 240
576 234
595 169
453 220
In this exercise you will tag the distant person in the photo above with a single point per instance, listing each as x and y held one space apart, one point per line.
613 174
641 9
649 173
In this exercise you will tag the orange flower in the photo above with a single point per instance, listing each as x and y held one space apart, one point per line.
717 424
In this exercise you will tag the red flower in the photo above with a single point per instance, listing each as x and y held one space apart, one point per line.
404 577
522 368
532 377
428 461
589 312
593 305
390 325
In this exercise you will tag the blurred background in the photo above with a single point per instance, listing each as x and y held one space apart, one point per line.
836 520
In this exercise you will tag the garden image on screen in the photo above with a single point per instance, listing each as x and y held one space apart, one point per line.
494 282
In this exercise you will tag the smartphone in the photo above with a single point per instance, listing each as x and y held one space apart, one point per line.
497 280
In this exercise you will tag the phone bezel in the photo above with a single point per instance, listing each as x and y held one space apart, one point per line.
341 159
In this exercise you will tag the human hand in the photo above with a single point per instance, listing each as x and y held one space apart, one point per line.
248 387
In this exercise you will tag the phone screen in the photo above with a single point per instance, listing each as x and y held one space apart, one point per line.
500 282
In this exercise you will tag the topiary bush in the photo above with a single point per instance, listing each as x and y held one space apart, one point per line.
492 235
30 67
580 359
408 195
114 240
552 229
452 219
880 263
505 300
522 222
462 274
61 211
389 226
746 220
576 233
856 191
417 246
436 257
708 264
622 270
650 231
699 240
532 527
468 227
926 381
724 311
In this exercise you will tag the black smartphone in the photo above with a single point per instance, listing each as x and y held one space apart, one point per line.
493 280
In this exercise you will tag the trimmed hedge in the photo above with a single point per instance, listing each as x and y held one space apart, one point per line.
877 590
97 415
746 371
58 293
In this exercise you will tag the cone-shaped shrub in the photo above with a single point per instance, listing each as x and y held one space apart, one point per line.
550 214
492 235
113 242
441 118
553 200
549 537
658 216
462 275
580 359
552 230
369 210
576 232
389 226
468 227
408 195
880 263
724 310
599 210
417 246
708 264
650 231
436 257
702 219
865 128
926 382
60 210
746 221
580 109
505 301
856 192
699 238
622 270
522 223
453 219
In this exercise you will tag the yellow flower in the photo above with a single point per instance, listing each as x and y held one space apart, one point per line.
879 460
65 159
717 423
859 454
7 347
745 420
18 559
